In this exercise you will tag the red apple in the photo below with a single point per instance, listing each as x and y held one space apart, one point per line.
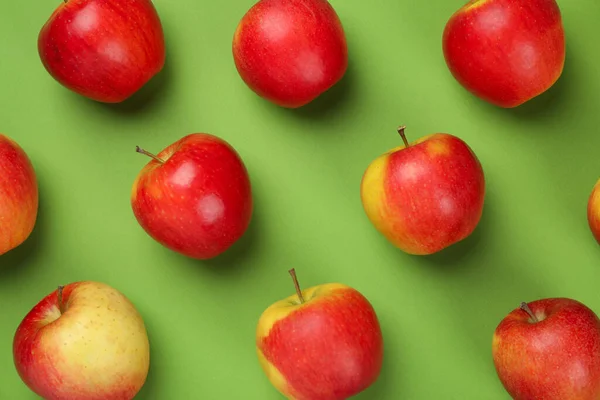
105 50
425 196
194 197
505 51
290 51
549 349
323 343
18 195
593 211
84 341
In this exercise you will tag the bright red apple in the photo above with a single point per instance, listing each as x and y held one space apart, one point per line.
194 197
426 195
290 51
105 50
549 349
505 51
18 195
593 211
83 341
323 343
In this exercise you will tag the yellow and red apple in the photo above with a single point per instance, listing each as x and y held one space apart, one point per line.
83 341
322 343
505 51
426 195
593 211
18 195
549 349
194 197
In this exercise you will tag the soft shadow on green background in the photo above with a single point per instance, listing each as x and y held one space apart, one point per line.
437 313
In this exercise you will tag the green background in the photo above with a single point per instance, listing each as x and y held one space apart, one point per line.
437 313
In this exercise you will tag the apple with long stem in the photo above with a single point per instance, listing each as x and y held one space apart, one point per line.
105 50
83 341
549 349
425 196
194 197
322 343
19 195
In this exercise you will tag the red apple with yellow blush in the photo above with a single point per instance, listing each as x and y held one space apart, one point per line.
322 343
18 195
505 52
290 51
549 349
194 197
426 195
105 50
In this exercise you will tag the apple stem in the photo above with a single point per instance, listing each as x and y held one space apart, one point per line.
401 132
60 299
526 308
297 285
142 151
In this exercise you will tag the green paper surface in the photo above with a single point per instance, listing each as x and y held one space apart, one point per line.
437 313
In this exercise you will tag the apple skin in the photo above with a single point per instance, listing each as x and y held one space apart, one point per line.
199 202
593 211
328 348
19 195
290 51
426 197
105 50
557 358
97 348
505 51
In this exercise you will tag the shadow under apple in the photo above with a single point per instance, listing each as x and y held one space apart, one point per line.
149 389
229 262
148 96
331 100
552 100
390 371
232 260
22 258
322 107
549 104
454 255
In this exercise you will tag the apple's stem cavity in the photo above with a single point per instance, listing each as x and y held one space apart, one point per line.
142 151
296 284
61 306
402 135
526 308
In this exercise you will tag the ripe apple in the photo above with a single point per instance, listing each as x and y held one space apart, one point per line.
425 196
505 51
105 50
593 211
194 197
84 341
549 349
290 51
19 195
323 343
